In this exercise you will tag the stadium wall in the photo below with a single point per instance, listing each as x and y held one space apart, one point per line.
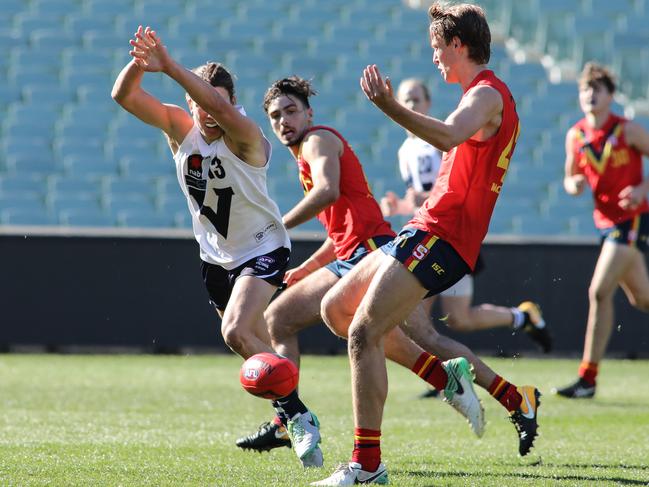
67 290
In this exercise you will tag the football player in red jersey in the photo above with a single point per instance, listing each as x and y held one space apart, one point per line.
337 193
605 151
441 243
419 164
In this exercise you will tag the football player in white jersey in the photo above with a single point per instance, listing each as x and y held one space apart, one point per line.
222 158
419 164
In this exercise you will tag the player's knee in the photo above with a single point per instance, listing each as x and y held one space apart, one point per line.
597 294
331 313
273 324
233 336
459 322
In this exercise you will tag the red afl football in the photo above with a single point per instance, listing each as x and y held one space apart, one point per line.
269 375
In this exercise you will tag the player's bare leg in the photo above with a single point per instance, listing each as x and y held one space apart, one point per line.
390 297
338 308
635 282
461 316
243 326
616 264
295 309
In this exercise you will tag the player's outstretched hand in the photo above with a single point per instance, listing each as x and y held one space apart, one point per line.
148 52
375 88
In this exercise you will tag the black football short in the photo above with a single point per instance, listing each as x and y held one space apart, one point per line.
433 261
219 282
633 232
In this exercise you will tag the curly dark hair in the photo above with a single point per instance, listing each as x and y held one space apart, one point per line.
596 73
216 74
293 85
467 23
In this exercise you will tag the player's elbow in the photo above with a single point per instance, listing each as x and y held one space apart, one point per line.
329 195
447 145
119 95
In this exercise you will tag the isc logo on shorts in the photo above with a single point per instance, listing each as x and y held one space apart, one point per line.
420 252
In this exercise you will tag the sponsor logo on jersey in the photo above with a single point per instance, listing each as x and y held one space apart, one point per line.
195 165
260 235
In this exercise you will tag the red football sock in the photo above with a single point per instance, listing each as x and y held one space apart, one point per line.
588 372
367 448
505 393
430 368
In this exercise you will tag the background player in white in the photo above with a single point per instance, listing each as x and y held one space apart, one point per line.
419 164
222 158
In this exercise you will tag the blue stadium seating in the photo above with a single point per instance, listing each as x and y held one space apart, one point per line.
64 141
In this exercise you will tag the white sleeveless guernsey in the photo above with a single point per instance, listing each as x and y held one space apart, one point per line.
419 163
233 217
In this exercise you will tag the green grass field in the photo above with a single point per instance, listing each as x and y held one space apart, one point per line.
171 420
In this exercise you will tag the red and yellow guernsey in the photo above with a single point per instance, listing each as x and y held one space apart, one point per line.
461 203
609 164
355 217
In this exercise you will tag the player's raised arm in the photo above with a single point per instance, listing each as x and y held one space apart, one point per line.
323 150
480 109
573 180
152 55
127 90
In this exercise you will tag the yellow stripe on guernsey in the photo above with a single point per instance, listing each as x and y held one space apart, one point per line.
599 163
425 366
635 226
367 438
417 258
371 244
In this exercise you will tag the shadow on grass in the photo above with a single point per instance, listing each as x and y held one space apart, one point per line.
466 476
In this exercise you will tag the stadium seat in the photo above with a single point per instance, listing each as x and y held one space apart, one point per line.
151 167
112 8
62 58
30 164
24 145
26 216
144 219
539 226
29 21
19 184
88 165
86 217
78 185
47 95
58 202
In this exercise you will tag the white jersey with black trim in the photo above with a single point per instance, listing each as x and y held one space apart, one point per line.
233 217
419 163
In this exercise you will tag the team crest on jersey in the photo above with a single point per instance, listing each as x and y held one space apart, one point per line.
195 165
